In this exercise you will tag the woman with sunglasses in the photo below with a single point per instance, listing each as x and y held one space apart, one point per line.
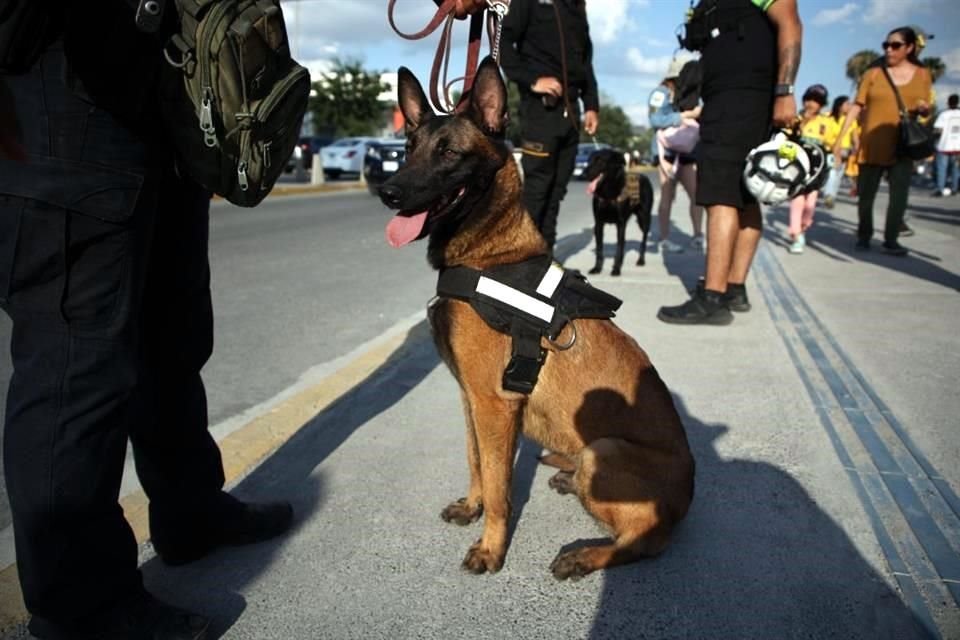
878 138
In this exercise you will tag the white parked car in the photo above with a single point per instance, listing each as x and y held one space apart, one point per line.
344 156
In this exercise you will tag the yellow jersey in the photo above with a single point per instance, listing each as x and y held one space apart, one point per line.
821 129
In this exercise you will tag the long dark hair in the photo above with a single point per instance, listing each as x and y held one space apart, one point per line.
837 105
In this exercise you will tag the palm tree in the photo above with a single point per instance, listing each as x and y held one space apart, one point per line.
936 66
858 63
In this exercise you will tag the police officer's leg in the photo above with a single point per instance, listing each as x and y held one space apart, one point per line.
539 173
71 270
177 460
566 156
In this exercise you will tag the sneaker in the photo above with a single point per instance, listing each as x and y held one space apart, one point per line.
946 191
230 522
937 193
698 243
905 231
862 245
667 246
705 307
828 202
894 249
798 244
735 296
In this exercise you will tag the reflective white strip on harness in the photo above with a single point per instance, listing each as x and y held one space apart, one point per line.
551 280
514 298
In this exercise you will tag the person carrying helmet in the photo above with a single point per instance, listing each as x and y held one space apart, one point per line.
680 167
750 52
814 128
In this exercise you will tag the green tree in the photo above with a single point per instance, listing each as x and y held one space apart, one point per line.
345 99
615 127
936 66
858 63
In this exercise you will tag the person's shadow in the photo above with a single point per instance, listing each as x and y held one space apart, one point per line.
756 557
834 236
292 473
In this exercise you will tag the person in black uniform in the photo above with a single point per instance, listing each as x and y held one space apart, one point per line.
749 68
546 51
104 273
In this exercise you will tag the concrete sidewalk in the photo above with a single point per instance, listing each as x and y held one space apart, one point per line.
823 422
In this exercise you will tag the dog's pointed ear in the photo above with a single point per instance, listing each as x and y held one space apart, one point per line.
412 100
487 104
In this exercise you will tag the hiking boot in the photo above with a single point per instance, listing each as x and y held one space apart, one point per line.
894 249
230 522
705 307
905 231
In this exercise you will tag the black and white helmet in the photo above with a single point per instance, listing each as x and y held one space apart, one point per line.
777 170
821 161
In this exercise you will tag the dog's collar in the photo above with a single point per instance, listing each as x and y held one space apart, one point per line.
528 300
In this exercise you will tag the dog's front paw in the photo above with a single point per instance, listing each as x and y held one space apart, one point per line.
641 261
594 270
615 272
572 564
481 560
562 483
461 512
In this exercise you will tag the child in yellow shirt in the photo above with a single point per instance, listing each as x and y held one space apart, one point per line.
818 128
848 146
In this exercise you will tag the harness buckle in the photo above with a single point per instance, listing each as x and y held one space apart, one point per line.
522 372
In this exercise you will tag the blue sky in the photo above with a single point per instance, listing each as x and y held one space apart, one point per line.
633 39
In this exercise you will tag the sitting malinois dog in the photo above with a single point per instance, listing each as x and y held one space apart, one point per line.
598 404
617 195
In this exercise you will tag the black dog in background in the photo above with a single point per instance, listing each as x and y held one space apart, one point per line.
617 194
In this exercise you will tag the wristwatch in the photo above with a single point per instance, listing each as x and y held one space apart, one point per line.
783 90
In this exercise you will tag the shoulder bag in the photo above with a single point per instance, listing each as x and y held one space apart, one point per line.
914 140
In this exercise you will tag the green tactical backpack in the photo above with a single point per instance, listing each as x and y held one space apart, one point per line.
233 98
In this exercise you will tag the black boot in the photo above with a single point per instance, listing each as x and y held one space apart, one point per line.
705 307
178 539
141 617
735 296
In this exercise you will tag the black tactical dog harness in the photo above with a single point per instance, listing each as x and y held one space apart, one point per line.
527 300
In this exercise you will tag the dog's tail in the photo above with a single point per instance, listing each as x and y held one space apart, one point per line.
557 460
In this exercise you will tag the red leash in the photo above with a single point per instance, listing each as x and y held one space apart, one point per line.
445 15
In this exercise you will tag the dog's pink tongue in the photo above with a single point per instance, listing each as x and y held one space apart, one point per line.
593 185
403 230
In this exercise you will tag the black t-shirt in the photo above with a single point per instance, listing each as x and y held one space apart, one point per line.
744 54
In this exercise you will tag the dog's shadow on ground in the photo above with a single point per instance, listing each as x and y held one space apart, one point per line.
756 557
292 473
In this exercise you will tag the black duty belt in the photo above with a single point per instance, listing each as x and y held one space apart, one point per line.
528 300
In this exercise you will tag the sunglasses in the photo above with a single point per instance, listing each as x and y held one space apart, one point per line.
892 45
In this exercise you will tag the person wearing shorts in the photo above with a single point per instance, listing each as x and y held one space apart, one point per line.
749 68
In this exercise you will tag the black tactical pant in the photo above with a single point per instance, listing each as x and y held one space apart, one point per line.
104 273
549 151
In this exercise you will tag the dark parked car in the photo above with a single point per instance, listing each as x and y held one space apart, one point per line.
584 149
307 146
383 158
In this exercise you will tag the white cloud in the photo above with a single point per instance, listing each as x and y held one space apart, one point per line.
952 60
895 12
831 16
647 64
638 113
607 19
